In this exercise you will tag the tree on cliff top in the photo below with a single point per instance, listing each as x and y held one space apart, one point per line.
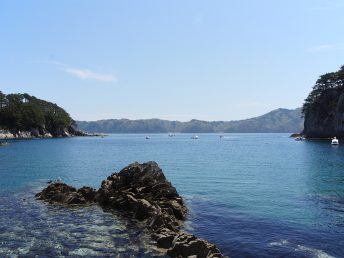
25 112
334 80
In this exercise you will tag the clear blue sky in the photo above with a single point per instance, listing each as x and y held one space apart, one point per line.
209 60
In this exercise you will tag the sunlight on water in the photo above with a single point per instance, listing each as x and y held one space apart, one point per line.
251 194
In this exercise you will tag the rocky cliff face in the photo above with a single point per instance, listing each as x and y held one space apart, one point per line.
43 133
325 119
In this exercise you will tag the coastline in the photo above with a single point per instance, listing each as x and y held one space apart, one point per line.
36 134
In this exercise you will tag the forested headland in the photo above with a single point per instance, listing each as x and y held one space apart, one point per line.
23 115
323 109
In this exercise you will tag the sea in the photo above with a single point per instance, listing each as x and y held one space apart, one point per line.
253 195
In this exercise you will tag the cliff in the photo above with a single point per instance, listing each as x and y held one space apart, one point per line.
324 107
326 119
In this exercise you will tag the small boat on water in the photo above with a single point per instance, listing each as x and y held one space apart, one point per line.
300 138
334 141
195 137
147 137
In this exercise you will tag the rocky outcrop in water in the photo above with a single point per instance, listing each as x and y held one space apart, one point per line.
61 193
142 191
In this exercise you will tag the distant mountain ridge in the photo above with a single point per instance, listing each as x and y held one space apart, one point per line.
277 121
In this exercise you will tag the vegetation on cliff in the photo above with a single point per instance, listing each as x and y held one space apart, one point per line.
327 81
19 112
323 109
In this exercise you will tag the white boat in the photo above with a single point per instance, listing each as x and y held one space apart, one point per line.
300 138
334 141
147 137
195 137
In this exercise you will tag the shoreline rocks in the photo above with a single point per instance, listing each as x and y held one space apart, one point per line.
42 133
295 135
142 191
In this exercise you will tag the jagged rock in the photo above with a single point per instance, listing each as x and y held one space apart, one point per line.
143 192
43 133
165 241
296 135
5 134
186 245
87 193
62 193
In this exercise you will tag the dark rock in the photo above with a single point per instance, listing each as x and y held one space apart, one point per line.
295 135
35 132
143 192
186 245
165 241
62 193
87 193
326 117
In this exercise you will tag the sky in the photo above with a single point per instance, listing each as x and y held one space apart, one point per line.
175 60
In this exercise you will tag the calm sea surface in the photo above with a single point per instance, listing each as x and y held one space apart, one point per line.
253 195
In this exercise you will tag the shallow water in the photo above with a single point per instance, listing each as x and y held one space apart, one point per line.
254 195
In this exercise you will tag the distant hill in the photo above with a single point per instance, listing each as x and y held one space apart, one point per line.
277 121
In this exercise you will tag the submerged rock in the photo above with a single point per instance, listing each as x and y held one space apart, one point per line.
144 193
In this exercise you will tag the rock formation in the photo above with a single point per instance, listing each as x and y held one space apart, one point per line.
142 191
42 133
324 107
326 117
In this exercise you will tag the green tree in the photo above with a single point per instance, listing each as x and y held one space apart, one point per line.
25 112
334 80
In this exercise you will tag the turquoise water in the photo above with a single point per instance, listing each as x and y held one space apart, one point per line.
254 195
